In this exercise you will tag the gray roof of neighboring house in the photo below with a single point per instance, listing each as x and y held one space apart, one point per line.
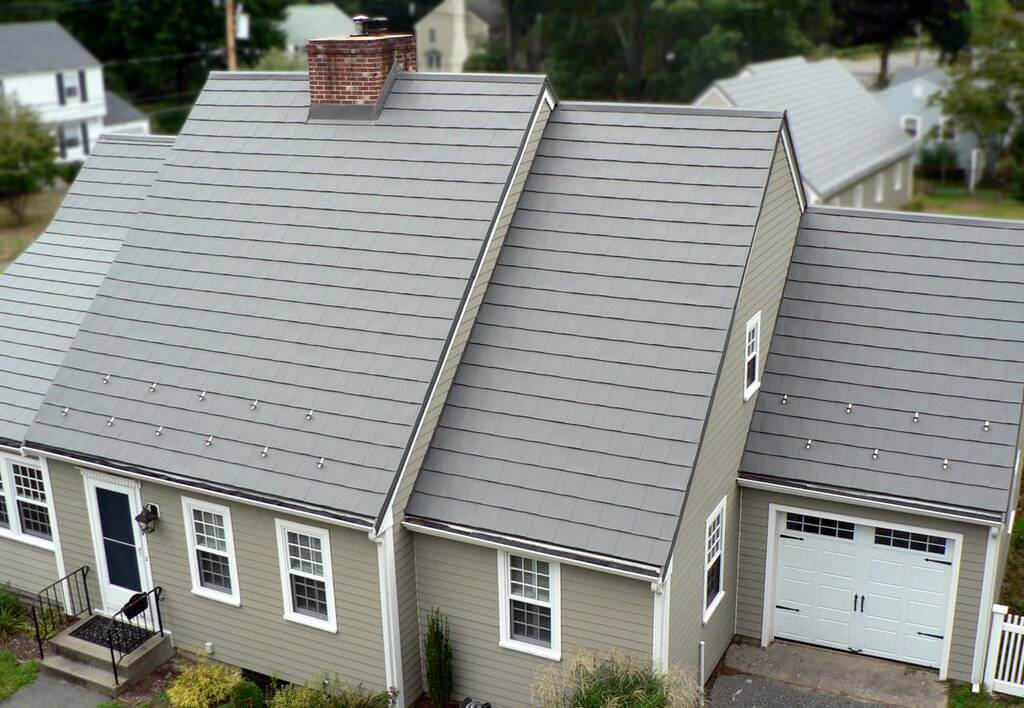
119 111
283 266
305 22
45 293
575 414
490 11
903 74
841 132
897 314
40 46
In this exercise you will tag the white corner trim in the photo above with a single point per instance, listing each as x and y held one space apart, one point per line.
988 590
387 519
390 627
505 640
662 599
775 511
229 598
282 526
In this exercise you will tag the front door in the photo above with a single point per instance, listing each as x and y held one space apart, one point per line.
120 559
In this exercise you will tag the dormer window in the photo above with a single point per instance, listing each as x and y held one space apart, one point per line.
752 357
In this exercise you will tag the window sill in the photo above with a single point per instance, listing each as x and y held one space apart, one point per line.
223 598
45 544
551 654
712 607
749 392
322 625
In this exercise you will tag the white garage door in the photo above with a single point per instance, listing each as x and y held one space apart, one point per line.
870 589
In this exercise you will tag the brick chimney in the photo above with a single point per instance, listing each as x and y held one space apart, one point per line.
352 71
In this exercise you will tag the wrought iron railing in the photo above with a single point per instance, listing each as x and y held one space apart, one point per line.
133 625
54 604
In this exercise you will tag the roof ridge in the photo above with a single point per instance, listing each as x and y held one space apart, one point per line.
630 107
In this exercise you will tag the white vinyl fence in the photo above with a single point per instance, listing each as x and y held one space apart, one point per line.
1004 669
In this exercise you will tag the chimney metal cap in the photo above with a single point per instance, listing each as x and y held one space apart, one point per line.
370 25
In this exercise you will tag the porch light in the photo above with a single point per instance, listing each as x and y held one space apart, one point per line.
147 518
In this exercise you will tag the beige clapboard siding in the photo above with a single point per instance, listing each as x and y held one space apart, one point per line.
254 635
73 518
405 560
599 611
754 536
725 435
891 198
24 568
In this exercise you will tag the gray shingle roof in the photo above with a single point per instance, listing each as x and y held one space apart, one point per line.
45 293
303 265
896 314
40 46
119 111
840 131
575 414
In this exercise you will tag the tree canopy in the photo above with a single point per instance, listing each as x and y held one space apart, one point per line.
27 156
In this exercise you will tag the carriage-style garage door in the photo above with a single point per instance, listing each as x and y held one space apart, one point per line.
871 589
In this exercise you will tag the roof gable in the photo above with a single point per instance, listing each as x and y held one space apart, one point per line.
831 115
46 292
897 315
575 414
290 287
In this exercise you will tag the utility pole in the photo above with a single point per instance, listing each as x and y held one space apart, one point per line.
229 21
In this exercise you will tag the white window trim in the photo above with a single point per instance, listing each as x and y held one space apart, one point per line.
283 527
505 640
708 611
879 187
903 124
187 505
750 390
14 532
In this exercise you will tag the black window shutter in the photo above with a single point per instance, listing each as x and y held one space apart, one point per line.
60 88
81 85
85 138
60 141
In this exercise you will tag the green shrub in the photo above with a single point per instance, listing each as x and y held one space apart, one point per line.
203 685
246 694
592 680
12 622
327 693
67 171
438 653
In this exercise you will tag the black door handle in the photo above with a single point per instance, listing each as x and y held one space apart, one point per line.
862 602
855 596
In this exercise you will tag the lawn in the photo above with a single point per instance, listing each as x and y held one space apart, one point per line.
14 675
932 197
14 238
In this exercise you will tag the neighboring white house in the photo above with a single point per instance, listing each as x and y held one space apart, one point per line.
305 22
453 31
44 67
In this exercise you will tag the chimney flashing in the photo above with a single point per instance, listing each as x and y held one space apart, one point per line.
355 111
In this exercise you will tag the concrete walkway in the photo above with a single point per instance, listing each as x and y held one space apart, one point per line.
817 674
47 692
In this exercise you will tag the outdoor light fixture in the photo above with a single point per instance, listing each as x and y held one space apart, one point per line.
147 518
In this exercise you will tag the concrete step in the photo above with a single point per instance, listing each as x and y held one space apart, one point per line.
82 674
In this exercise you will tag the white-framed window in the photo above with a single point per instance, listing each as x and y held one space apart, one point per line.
70 82
24 503
897 176
911 125
947 129
306 576
211 551
858 196
752 357
432 33
879 186
714 551
72 134
529 605
433 59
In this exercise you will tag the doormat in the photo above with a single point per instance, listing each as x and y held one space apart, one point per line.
126 638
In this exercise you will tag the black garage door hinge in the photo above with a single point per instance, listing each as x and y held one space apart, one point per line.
933 636
788 609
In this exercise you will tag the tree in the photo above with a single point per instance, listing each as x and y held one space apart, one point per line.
27 156
885 23
437 652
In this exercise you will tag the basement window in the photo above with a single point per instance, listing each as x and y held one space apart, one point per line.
306 576
752 357
714 549
211 551
529 605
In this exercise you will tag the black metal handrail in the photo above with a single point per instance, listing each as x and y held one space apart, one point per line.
140 618
49 611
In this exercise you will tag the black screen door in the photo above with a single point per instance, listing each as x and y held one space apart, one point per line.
116 525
